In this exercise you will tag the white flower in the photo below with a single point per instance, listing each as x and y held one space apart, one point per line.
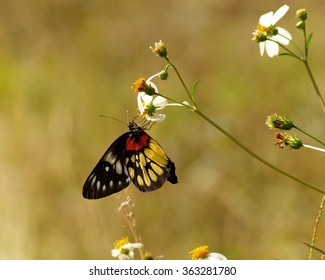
159 49
202 253
148 105
268 35
125 252
215 257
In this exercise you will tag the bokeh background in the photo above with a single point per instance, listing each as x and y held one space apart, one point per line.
65 62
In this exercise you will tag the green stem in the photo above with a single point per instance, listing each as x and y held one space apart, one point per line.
305 40
232 138
303 58
245 148
182 81
311 76
311 136
289 51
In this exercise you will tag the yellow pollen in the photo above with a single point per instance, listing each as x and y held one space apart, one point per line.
262 28
140 85
200 252
119 243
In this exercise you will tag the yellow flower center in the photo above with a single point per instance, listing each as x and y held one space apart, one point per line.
262 28
200 252
119 243
140 85
160 49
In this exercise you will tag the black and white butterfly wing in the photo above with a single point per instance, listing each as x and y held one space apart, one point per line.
134 156
110 175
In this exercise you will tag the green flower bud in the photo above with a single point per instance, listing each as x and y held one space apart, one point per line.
302 14
163 75
280 122
301 25
284 139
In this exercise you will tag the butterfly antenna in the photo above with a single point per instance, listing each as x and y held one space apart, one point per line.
112 118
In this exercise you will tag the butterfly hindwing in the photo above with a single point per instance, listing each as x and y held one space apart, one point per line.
109 175
147 164
134 156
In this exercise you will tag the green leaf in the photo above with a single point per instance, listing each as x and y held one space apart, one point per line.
196 83
309 39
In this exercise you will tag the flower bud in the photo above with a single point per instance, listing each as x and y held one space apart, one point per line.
300 25
285 139
160 49
302 14
280 122
140 85
163 75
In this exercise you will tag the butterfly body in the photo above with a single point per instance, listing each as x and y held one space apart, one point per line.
134 156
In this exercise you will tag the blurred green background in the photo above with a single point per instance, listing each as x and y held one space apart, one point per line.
65 62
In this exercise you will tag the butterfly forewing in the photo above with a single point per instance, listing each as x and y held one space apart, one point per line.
109 175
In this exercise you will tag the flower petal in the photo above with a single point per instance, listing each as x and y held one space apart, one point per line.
272 48
283 36
156 117
266 19
115 252
160 102
216 256
279 14
143 100
132 246
262 47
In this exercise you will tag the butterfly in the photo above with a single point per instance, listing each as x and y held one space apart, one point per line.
134 156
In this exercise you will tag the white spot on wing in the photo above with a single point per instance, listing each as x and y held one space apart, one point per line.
106 168
110 158
98 185
93 180
118 167
125 170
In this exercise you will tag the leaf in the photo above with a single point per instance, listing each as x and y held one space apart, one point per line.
309 39
196 83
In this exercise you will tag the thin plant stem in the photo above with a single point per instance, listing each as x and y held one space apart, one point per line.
250 152
311 76
304 59
232 138
311 136
313 239
182 81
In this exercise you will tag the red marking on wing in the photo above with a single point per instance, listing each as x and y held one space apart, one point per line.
132 145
